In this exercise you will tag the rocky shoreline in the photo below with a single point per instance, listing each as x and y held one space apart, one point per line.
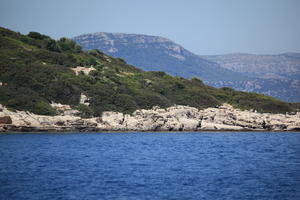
176 118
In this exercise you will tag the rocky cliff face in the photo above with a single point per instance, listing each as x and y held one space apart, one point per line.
176 118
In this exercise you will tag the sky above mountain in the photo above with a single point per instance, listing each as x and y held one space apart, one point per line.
202 26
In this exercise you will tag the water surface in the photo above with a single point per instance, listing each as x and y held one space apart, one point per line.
150 166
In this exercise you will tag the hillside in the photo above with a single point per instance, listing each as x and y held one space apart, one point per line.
36 71
275 75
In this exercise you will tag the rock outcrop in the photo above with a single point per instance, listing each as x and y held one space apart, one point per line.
83 70
84 100
176 118
64 109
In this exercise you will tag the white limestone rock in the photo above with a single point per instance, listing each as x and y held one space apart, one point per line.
83 70
175 118
64 109
84 100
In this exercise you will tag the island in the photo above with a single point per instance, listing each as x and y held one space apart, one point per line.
54 85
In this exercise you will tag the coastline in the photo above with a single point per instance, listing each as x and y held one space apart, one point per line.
178 118
51 131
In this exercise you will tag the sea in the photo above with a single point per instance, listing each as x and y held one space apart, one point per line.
152 166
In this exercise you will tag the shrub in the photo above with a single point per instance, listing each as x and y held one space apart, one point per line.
43 108
36 35
120 60
65 44
125 103
85 111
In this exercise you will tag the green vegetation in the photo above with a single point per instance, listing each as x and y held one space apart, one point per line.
35 70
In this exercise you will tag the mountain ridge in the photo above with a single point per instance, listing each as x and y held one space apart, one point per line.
154 53
211 69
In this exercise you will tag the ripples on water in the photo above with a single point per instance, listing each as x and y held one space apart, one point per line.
150 166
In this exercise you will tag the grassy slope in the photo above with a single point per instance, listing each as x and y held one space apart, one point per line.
36 70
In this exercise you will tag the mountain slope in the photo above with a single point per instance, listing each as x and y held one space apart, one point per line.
275 75
36 71
152 53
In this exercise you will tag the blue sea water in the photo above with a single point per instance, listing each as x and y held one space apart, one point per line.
140 166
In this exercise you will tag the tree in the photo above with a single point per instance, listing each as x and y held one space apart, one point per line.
36 35
68 45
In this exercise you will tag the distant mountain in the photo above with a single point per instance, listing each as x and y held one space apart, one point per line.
275 75
282 66
284 89
153 53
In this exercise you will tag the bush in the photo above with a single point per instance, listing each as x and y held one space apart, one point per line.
147 101
43 108
65 44
36 35
125 103
85 111
197 81
121 61
24 99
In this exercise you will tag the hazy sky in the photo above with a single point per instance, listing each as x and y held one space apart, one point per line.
202 26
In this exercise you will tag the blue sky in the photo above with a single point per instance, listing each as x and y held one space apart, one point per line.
202 26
